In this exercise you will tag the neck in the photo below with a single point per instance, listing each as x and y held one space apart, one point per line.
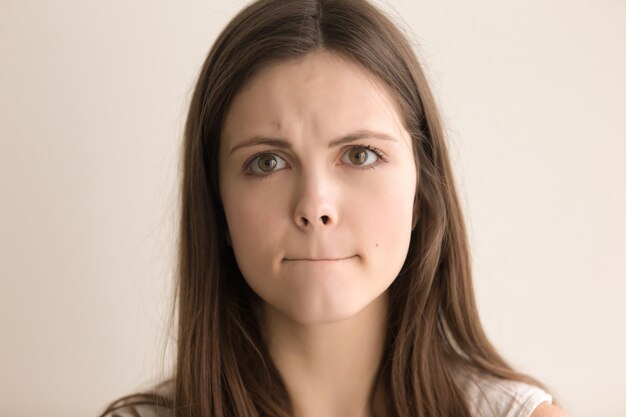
329 369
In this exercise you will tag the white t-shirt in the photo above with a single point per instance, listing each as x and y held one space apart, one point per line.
487 397
493 397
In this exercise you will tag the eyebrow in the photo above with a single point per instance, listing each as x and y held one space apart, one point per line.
283 144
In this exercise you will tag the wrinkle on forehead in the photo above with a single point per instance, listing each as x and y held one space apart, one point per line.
308 66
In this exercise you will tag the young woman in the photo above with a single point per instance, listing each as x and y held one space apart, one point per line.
323 263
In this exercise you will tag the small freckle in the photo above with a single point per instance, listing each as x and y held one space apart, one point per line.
377 245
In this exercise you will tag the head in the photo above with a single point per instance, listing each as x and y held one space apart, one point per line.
317 180
344 195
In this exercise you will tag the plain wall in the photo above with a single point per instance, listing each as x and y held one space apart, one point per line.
93 97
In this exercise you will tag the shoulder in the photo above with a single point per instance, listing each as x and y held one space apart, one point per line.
493 397
548 410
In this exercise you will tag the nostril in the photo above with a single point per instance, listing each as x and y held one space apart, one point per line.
305 222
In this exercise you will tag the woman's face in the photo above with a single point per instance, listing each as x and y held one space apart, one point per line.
317 179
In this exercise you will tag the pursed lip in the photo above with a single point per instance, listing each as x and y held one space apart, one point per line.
318 259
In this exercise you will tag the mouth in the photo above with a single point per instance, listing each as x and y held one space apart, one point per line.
319 259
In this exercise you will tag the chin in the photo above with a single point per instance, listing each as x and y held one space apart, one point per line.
324 313
311 319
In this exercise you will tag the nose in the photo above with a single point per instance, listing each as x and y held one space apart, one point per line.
315 207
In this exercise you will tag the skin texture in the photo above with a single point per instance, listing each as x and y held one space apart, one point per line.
321 236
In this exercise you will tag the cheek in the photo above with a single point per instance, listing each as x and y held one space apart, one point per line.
387 213
385 222
255 217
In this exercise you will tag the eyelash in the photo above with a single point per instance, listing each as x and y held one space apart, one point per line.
379 154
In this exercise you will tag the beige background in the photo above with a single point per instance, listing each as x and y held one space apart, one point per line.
93 96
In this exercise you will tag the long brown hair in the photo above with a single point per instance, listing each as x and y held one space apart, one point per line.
223 368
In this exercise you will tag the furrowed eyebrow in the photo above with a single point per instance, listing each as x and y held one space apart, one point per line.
283 144
361 134
260 140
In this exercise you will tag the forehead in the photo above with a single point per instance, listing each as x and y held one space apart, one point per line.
322 94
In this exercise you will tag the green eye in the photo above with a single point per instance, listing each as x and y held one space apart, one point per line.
357 156
265 163
361 155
